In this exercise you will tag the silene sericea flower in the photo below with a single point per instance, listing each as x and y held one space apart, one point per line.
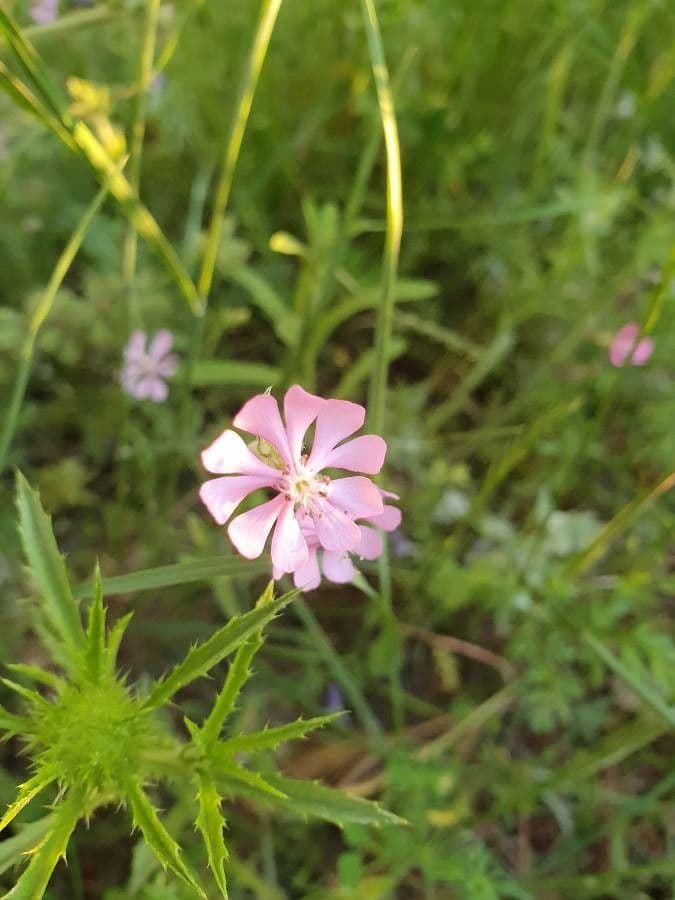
318 519
146 367
626 348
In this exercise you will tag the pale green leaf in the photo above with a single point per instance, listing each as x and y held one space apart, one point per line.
211 824
115 639
46 565
270 738
34 880
237 676
236 781
200 659
179 573
158 838
38 675
309 798
95 640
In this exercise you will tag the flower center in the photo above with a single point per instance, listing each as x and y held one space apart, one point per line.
304 487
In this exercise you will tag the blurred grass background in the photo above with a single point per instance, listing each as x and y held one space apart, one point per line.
532 580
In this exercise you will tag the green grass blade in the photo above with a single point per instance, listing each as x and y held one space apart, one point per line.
385 313
311 799
211 824
47 566
203 657
205 569
37 320
164 847
34 880
221 372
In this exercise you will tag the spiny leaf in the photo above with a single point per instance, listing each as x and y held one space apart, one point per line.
211 823
236 780
237 676
115 639
12 724
46 565
158 838
28 694
27 791
39 675
27 841
95 647
204 656
33 882
270 738
309 798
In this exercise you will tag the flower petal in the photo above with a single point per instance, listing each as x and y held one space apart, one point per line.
158 390
135 347
260 416
363 454
623 343
336 421
300 410
248 532
167 366
371 543
338 567
642 352
221 496
308 577
289 547
388 520
160 344
356 495
335 530
229 455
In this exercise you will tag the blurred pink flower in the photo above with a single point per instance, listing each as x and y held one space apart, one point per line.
310 509
44 12
145 371
625 349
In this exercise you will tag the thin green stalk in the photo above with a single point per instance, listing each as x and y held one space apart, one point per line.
147 55
338 669
37 320
254 64
385 314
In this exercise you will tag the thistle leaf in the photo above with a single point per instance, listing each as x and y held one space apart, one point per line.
12 724
46 565
95 646
27 791
38 675
158 838
270 738
309 798
13 850
238 781
34 880
211 824
237 676
115 639
28 694
205 656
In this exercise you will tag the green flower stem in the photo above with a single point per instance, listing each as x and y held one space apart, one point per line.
145 74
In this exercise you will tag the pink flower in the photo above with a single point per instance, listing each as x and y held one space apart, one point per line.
624 348
44 12
145 371
309 510
338 567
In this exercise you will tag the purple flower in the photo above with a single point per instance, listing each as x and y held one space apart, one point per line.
146 370
44 11
333 701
